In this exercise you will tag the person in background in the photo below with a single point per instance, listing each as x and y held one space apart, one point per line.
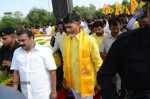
98 29
49 30
122 29
53 29
129 57
104 21
59 37
115 26
106 28
138 16
83 25
7 50
58 48
37 30
143 21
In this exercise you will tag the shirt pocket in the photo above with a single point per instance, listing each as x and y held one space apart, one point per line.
22 63
36 64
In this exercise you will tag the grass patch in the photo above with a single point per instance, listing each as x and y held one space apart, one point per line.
4 78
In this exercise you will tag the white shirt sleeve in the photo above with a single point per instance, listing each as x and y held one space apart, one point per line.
14 63
49 60
56 47
102 47
131 24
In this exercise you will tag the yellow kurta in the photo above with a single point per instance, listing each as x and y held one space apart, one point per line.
137 25
95 62
53 29
98 39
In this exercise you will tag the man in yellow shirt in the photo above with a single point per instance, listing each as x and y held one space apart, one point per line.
98 28
53 29
81 59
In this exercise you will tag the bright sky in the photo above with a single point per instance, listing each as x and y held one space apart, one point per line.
24 6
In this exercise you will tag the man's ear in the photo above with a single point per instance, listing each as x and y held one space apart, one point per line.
79 23
12 35
31 37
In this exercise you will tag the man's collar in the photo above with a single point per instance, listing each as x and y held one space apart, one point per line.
78 35
37 46
110 36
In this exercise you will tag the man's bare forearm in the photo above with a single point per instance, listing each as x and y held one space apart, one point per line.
15 79
53 80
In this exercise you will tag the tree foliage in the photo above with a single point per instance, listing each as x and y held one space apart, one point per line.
8 20
42 17
15 19
39 17
86 12
35 17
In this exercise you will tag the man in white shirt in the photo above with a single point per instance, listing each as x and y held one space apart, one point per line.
57 49
115 26
141 22
59 37
106 28
49 30
34 66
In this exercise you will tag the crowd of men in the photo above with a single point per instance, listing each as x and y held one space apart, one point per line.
107 56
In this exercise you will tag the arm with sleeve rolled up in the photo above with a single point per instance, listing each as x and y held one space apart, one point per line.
53 84
102 50
103 55
51 67
15 67
15 79
56 47
108 70
53 80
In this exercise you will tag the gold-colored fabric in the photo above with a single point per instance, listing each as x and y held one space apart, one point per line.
98 39
137 25
53 30
81 63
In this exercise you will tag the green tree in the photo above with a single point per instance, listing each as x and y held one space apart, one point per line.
39 17
124 2
19 19
15 19
8 19
86 12
98 12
